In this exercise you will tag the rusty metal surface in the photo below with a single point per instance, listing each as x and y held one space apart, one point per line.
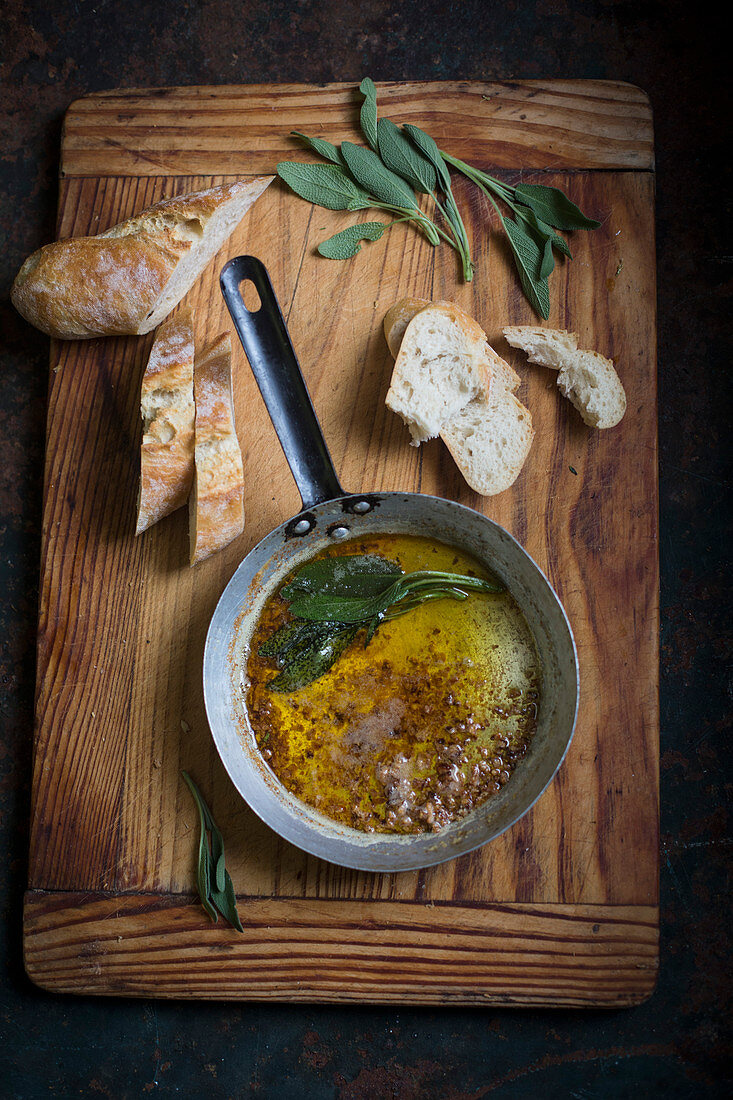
678 1044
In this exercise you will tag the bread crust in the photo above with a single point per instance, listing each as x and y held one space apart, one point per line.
111 283
167 406
217 501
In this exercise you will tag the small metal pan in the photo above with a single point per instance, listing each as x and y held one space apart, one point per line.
331 515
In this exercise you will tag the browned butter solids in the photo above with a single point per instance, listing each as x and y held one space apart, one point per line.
419 727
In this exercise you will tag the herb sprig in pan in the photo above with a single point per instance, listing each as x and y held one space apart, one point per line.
215 886
401 162
332 599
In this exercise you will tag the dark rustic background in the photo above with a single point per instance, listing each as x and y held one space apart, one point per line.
678 1044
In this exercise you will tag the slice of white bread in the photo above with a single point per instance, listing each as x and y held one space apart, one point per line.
490 441
398 317
586 378
440 367
166 404
491 436
126 280
216 504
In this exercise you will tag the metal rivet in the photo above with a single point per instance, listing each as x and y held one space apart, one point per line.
302 527
338 532
361 507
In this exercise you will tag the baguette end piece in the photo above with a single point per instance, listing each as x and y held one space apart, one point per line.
125 281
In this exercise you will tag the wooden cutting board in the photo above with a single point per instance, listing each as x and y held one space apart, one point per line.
561 909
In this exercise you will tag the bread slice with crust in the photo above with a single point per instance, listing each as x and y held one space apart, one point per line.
216 504
586 378
440 367
126 280
398 317
166 404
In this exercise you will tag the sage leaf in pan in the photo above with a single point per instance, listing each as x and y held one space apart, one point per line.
402 161
332 599
215 886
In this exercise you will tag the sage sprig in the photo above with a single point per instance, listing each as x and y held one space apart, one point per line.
332 599
538 211
215 886
402 161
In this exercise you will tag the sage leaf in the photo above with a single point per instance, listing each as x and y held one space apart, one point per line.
376 179
344 245
279 642
428 147
314 661
343 574
528 259
215 886
323 184
325 149
220 873
368 114
553 206
402 157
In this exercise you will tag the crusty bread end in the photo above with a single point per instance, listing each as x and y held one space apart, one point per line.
126 280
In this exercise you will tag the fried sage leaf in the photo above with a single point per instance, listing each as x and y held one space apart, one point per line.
333 598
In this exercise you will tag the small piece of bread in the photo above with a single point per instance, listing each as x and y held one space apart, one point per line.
586 378
398 317
490 441
166 404
125 281
216 505
440 367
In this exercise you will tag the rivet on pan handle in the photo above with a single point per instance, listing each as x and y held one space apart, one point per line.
275 366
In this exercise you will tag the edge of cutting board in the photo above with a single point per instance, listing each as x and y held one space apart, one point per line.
294 949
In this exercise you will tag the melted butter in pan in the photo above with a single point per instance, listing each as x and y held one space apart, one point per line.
418 728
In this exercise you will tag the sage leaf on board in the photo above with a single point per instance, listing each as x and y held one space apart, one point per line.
375 178
323 184
368 114
344 245
325 149
553 206
429 148
401 162
529 259
216 889
402 157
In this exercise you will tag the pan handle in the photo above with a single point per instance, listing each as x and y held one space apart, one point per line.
274 364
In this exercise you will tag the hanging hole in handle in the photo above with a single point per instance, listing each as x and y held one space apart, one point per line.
250 296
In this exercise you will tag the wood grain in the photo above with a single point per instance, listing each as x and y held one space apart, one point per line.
123 620
336 951
245 130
